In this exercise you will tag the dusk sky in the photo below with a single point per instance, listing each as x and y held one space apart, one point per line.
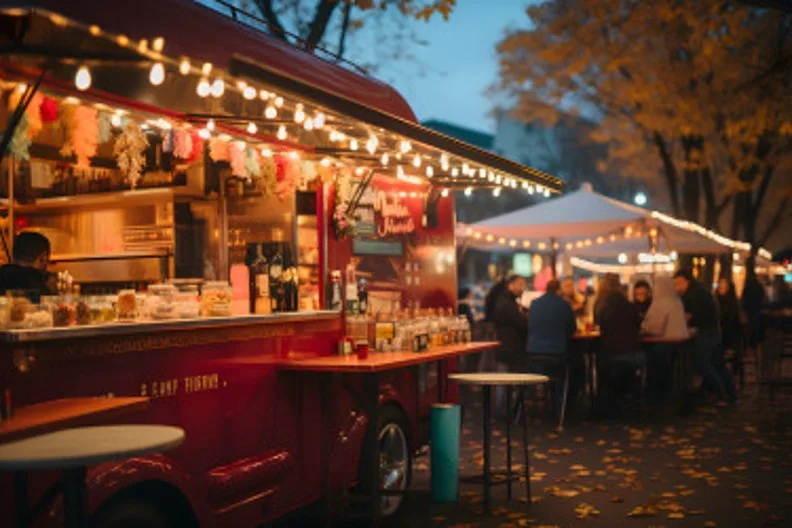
460 62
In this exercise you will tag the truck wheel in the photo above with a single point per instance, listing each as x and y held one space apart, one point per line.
131 513
395 457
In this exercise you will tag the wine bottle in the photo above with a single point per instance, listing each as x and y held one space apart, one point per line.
260 284
276 285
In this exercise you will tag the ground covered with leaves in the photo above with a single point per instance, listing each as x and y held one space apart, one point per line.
719 467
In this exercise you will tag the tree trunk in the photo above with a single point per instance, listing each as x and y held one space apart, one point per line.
669 171
324 11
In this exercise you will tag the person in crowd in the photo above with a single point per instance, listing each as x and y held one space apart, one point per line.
730 325
466 307
642 297
491 300
570 294
28 271
702 314
620 352
479 295
665 318
551 325
753 302
511 327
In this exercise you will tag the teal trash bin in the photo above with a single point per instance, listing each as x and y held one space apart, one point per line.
446 424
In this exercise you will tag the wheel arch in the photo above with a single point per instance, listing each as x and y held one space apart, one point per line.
165 496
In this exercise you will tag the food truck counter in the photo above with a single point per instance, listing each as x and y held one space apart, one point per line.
159 327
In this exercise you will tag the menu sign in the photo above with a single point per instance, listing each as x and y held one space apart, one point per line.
393 216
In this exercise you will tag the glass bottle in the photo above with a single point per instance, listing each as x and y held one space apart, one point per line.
260 302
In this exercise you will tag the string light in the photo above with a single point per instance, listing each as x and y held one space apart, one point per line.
252 128
308 124
184 66
359 171
218 88
596 267
82 79
526 244
454 172
264 95
210 125
115 120
281 134
496 192
158 44
444 162
299 114
204 134
372 144
241 85
405 147
294 155
482 173
267 153
469 192
279 102
353 144
319 120
416 161
429 171
325 162
204 88
249 93
271 112
206 69
444 193
157 74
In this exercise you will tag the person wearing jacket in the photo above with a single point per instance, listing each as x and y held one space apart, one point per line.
702 314
511 327
730 325
665 318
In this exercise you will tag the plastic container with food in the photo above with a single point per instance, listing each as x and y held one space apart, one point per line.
20 306
37 317
216 299
64 313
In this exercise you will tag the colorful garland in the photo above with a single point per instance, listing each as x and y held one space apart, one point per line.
129 148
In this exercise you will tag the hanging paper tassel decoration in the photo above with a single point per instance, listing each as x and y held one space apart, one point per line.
268 179
288 184
238 167
128 149
19 146
197 148
167 141
252 163
218 149
68 123
49 110
84 136
280 167
182 144
105 128
34 115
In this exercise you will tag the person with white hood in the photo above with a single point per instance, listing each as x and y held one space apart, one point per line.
665 318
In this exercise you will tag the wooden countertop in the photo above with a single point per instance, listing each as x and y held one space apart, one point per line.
378 362
48 416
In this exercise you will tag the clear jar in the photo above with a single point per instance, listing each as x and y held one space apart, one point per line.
161 301
5 311
82 311
38 316
126 305
216 299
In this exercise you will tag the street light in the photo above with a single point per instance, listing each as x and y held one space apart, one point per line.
640 199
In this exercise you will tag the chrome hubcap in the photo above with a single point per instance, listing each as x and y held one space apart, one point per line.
393 466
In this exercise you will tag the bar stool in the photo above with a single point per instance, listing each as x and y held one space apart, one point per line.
73 450
487 380
561 361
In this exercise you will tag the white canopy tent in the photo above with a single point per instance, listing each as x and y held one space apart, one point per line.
586 223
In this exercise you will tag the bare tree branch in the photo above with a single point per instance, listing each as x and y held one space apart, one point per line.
269 14
344 29
785 6
324 11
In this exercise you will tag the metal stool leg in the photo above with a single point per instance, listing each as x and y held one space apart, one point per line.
508 444
526 455
487 405
564 398
21 499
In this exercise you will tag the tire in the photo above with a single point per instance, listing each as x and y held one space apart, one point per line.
396 458
131 513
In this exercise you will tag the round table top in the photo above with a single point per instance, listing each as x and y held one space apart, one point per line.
499 378
85 446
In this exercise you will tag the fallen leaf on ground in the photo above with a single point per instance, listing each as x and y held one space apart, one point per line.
584 511
617 499
676 515
642 511
710 524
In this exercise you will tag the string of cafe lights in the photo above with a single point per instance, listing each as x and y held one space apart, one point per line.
620 269
410 163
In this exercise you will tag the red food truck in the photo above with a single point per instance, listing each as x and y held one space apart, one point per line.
228 218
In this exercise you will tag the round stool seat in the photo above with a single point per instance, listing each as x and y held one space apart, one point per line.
499 378
86 446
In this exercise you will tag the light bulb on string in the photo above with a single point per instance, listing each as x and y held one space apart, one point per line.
469 192
115 120
384 159
218 88
482 173
417 161
157 74
241 85
267 153
204 134
444 193
496 192
371 144
405 146
429 171
184 67
204 88
249 93
547 193
454 172
252 128
264 95
530 189
82 79
325 162
206 69
319 121
270 112
299 114
308 124
294 155
279 102
353 144
281 133
444 161
158 44
210 125
400 172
